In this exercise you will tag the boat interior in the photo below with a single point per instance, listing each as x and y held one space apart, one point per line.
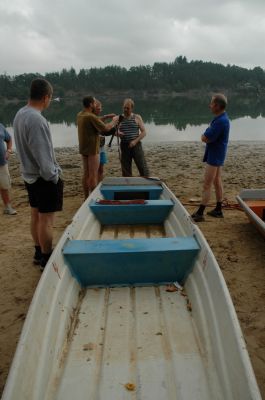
131 330
103 323
133 247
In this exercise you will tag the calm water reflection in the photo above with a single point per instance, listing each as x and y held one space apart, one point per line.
167 120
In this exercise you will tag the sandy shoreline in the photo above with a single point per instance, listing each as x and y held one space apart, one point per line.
239 249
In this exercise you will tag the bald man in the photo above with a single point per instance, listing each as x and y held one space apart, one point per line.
131 132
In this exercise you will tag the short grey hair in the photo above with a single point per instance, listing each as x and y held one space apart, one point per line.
130 101
98 102
220 99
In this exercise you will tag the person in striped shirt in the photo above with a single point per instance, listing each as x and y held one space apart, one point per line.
131 132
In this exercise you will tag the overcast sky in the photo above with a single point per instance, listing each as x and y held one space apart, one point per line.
49 35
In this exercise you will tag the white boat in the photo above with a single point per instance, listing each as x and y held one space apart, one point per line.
103 326
252 201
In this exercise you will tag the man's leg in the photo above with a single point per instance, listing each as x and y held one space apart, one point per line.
93 166
45 199
6 200
5 196
41 228
218 185
126 160
85 177
100 172
34 225
5 186
45 232
90 173
34 230
209 178
34 221
139 159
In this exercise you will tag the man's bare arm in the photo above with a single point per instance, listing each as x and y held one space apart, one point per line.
107 116
8 148
107 127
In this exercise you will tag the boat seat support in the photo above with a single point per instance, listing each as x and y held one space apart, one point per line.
131 261
151 212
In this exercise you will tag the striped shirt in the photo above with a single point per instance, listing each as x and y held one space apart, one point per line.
130 128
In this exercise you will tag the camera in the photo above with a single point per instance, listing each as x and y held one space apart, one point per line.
121 118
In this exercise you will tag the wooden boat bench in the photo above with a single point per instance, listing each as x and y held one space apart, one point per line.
150 212
131 261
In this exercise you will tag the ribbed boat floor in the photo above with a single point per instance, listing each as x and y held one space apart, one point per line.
134 343
132 231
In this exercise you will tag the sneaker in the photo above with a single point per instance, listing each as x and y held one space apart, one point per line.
9 211
216 214
197 217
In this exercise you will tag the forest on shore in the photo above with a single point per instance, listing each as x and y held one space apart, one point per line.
178 77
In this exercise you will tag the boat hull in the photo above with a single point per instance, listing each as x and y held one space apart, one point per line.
252 201
119 342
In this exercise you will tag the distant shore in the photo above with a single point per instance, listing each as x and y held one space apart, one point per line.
239 249
119 95
109 95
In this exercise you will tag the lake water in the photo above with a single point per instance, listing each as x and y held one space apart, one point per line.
170 120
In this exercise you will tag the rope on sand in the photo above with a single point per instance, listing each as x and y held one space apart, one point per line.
226 204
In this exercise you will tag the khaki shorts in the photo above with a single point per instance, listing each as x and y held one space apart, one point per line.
5 181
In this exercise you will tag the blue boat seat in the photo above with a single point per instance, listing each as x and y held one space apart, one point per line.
131 261
151 212
126 192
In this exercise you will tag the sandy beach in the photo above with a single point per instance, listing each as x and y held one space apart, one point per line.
239 249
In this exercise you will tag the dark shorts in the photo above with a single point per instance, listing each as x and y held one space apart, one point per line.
46 196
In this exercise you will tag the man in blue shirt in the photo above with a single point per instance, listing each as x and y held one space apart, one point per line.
216 139
5 181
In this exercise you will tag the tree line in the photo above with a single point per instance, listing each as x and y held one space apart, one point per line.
179 76
178 111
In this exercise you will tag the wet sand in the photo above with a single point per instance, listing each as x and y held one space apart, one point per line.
239 249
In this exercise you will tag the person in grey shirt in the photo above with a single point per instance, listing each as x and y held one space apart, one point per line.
39 167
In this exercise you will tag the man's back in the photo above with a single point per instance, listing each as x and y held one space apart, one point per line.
89 125
34 145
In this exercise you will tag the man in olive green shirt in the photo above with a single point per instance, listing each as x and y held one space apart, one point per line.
89 126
